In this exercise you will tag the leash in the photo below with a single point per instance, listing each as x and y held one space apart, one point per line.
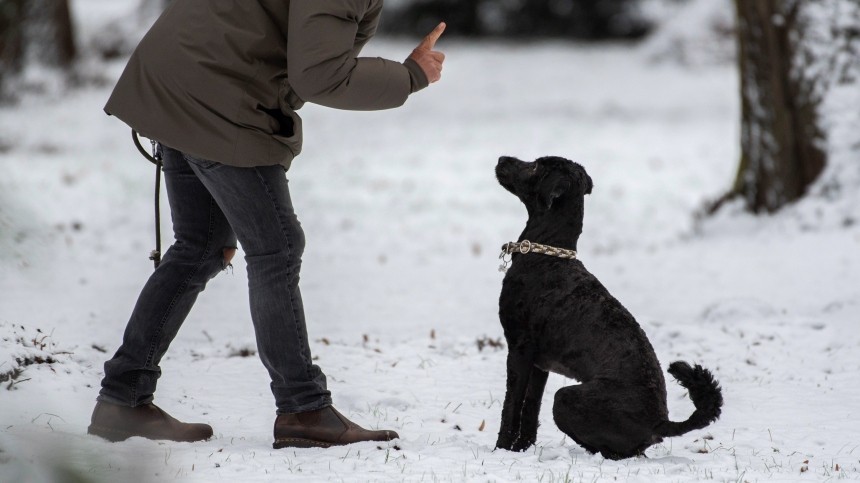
526 246
154 158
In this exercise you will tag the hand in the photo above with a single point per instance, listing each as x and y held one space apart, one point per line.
430 60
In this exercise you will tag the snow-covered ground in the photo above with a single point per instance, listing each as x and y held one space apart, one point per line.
404 221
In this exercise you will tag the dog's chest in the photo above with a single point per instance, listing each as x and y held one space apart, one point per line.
545 309
535 289
546 276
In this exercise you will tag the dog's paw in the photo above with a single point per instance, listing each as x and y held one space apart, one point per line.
505 441
521 445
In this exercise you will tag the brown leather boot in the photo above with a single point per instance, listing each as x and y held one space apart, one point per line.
118 423
322 428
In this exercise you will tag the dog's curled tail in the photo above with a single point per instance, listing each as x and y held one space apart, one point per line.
705 393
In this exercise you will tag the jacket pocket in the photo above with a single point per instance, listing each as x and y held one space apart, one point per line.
293 138
287 128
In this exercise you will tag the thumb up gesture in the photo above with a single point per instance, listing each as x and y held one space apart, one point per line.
429 59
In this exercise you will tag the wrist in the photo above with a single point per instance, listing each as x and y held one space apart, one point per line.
417 78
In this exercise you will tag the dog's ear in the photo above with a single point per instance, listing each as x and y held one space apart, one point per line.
583 180
587 184
550 190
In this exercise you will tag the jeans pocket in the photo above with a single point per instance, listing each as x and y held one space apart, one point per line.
200 163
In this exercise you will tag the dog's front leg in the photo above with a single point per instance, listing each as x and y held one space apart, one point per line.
518 378
531 409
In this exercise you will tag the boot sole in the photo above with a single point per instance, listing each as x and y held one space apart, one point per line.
299 443
109 434
116 436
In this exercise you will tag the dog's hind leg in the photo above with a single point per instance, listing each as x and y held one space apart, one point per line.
568 416
531 409
519 368
594 416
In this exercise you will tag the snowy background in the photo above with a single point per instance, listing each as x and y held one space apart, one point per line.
404 221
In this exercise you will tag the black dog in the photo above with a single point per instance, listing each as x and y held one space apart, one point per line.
558 317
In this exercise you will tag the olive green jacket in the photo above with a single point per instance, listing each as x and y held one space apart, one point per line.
222 79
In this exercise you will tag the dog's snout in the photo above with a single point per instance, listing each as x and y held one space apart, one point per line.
505 165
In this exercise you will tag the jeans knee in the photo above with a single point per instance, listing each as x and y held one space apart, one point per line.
294 241
282 245
298 241
227 256
221 260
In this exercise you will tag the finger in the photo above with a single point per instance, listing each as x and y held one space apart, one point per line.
437 73
430 40
438 56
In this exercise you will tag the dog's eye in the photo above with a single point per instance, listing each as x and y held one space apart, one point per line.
534 168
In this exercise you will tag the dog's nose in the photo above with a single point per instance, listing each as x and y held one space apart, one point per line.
505 159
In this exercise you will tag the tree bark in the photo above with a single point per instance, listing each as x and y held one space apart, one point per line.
49 34
38 31
11 36
64 34
780 132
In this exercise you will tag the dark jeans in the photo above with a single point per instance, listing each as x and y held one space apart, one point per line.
211 206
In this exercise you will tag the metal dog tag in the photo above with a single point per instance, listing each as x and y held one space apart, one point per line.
506 259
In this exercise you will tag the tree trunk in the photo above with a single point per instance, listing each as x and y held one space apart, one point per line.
780 133
38 31
11 36
49 33
64 33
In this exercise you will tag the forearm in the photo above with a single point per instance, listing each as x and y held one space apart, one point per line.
363 84
323 69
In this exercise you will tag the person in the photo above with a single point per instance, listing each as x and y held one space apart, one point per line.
217 84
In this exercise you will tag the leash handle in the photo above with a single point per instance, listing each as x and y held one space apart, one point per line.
154 158
155 255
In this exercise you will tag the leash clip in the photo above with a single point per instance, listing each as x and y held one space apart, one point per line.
155 154
505 257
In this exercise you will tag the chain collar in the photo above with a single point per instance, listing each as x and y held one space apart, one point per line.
526 246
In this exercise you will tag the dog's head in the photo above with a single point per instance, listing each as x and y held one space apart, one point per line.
548 183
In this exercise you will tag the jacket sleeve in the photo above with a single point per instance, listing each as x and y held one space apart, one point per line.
324 38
